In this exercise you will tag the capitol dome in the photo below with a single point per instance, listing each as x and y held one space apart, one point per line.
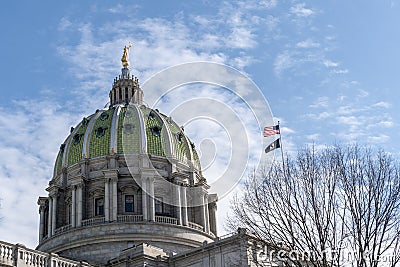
125 175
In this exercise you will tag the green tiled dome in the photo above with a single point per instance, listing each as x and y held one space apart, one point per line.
123 129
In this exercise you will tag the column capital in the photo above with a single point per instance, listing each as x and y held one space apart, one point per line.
80 185
42 201
80 179
52 189
212 198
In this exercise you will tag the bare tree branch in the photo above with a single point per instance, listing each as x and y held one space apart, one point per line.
340 205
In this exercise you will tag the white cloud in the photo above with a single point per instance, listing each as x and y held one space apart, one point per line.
287 130
340 71
307 44
382 104
386 124
362 93
319 116
313 137
282 62
329 63
378 139
241 37
64 24
301 11
33 132
321 102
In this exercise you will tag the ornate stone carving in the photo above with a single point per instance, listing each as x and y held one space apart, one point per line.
98 167
160 166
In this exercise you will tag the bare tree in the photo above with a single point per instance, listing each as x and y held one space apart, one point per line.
325 205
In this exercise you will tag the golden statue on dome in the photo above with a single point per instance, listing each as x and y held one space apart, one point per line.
125 55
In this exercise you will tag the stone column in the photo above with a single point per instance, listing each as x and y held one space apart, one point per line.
42 210
213 217
110 192
50 217
184 206
207 214
73 207
41 227
152 213
107 200
144 200
178 202
54 215
80 204
204 213
114 182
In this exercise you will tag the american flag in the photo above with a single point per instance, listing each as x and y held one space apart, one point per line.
271 130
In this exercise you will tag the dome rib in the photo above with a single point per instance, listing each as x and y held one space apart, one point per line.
68 145
190 154
143 135
170 148
180 143
88 134
114 130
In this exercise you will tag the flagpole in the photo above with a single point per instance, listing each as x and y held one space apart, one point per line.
283 160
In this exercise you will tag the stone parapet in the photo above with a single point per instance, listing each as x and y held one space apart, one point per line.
19 255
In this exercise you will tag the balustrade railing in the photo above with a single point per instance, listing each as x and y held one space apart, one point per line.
93 221
20 256
130 218
195 226
165 219
121 218
6 253
63 229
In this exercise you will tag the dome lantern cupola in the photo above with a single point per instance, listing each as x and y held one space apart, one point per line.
126 87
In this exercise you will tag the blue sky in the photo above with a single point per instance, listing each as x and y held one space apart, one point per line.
329 70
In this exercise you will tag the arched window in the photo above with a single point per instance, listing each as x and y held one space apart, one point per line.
97 199
159 205
129 203
130 199
99 206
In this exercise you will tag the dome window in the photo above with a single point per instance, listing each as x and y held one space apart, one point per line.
103 116
101 131
76 139
156 131
99 207
128 128
85 121
180 137
129 203
62 147
152 115
159 205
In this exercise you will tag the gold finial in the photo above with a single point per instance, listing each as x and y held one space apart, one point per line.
125 55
